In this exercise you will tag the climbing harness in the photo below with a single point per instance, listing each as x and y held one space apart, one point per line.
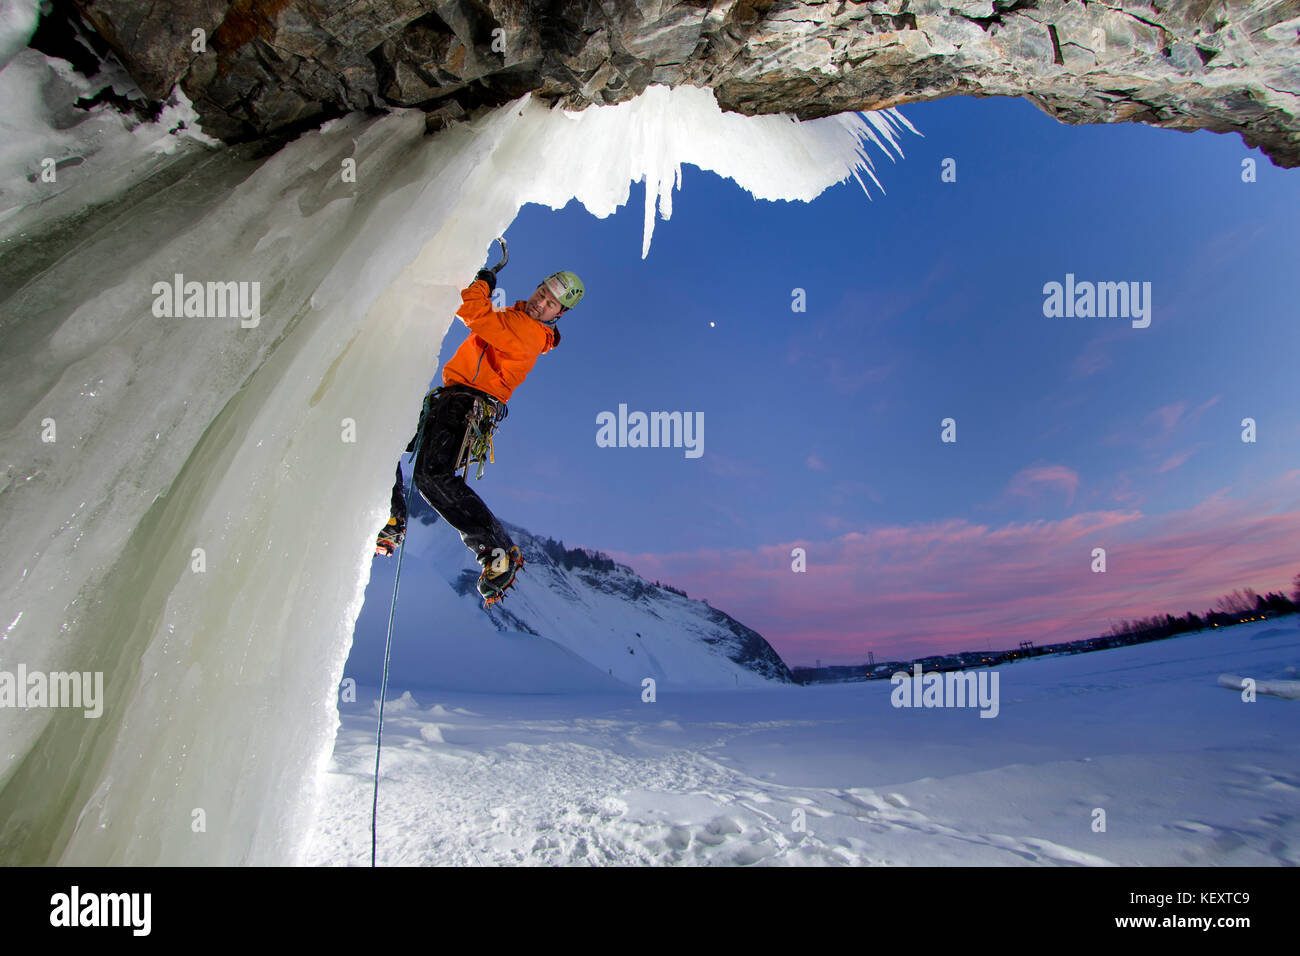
476 447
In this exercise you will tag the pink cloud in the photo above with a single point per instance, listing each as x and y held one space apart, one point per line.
1175 461
1095 355
910 590
1091 361
726 467
1168 415
815 463
1026 482
850 489
1171 416
1123 491
1168 418
1202 408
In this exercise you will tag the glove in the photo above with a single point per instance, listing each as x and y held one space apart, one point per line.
556 330
488 276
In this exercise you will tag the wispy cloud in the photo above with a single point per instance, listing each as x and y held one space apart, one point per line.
851 489
849 376
908 590
1175 461
825 344
1167 420
1200 409
1167 416
726 467
1170 416
1028 482
1123 492
1096 355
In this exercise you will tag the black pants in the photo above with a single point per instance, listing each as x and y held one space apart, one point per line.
445 424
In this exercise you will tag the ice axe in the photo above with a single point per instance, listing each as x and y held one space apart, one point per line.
505 256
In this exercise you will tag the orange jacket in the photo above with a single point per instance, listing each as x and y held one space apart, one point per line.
502 347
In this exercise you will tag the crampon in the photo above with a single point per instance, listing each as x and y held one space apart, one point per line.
493 586
390 537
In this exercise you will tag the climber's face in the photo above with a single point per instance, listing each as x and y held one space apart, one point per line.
543 306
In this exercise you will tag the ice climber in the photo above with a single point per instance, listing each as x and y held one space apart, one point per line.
460 417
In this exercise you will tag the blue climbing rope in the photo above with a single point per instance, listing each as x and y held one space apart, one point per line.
388 641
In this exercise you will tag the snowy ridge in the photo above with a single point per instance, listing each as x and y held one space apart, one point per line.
561 630
612 618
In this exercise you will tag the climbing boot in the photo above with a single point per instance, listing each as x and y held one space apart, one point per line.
390 537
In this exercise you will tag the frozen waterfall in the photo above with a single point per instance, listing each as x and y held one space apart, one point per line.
181 507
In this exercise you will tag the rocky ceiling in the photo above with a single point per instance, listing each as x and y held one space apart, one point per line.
262 66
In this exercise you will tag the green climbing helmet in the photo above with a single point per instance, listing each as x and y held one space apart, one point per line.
566 287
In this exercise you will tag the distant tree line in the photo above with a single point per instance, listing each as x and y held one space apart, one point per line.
570 558
1240 605
585 558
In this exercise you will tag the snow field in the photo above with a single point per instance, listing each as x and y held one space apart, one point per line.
1186 772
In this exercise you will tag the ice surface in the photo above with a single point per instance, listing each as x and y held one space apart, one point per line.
179 434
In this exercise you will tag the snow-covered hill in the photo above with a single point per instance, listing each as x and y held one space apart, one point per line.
572 622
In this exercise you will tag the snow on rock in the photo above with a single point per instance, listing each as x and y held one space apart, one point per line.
17 23
94 156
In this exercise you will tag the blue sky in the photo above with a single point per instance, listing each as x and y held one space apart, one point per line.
822 427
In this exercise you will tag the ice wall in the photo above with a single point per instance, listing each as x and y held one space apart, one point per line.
177 434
